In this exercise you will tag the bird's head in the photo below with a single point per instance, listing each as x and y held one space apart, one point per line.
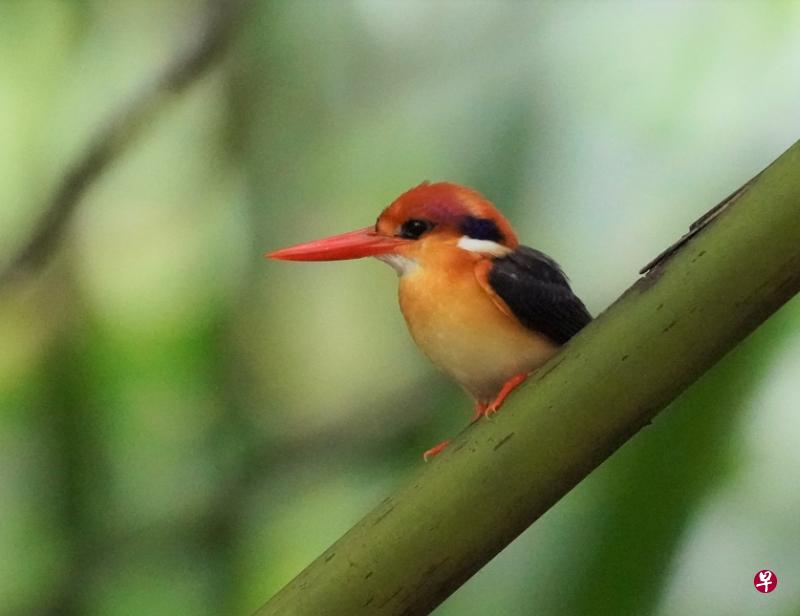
430 223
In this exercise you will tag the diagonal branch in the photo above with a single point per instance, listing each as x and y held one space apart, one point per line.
118 133
420 544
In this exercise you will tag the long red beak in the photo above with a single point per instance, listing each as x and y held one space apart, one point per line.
353 245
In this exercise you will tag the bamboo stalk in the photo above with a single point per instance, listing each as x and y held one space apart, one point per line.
420 544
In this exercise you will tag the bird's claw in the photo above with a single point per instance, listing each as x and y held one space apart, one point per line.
485 410
435 450
482 410
491 409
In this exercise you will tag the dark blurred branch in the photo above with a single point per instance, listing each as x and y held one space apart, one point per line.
423 542
119 132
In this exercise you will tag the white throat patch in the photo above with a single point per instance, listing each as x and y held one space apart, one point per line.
402 265
485 246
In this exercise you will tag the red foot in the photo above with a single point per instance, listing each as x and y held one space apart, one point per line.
494 406
436 450
483 410
480 411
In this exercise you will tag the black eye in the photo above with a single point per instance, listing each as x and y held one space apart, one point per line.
412 229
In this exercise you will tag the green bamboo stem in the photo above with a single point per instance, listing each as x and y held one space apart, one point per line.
420 544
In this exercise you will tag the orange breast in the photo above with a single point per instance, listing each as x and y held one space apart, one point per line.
458 326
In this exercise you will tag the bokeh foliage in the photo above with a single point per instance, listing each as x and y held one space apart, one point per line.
184 426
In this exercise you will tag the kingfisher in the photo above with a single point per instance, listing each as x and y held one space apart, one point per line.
486 310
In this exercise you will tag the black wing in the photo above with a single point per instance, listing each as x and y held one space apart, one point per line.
538 293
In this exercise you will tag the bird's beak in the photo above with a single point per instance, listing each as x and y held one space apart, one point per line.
353 245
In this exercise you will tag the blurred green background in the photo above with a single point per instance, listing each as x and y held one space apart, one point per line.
184 426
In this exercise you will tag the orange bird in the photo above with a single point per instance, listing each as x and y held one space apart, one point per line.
486 310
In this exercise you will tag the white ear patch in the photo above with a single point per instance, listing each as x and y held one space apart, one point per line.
486 246
402 265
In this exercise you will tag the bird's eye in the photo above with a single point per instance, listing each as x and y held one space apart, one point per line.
412 229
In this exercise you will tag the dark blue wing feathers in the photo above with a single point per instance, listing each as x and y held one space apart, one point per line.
538 293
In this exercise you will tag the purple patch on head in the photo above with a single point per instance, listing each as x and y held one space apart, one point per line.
481 229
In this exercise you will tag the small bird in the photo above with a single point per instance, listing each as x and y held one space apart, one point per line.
486 310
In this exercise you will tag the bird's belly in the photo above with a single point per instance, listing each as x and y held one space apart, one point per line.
467 336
